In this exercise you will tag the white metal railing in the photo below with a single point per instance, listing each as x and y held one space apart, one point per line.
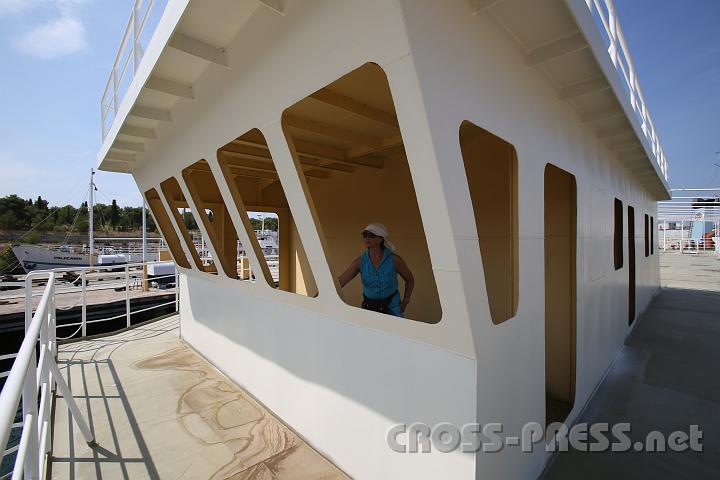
620 56
28 377
130 50
31 376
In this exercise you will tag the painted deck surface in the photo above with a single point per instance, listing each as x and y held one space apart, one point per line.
665 379
159 410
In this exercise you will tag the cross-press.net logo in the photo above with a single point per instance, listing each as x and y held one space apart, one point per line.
488 438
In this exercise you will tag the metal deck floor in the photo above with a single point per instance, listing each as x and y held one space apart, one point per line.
159 410
666 378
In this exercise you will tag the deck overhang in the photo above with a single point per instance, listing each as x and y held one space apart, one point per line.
561 38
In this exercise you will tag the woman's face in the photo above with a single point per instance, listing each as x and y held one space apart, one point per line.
371 240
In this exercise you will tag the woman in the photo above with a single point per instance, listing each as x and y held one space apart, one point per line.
379 267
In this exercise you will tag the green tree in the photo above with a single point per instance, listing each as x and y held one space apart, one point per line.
114 213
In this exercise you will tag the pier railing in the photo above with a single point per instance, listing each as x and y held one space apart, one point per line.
604 11
34 375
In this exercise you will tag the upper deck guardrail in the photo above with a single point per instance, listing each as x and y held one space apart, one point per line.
619 53
131 49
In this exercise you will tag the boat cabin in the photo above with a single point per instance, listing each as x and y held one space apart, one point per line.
505 144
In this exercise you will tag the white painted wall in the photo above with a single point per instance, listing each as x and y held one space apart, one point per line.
469 68
338 375
341 376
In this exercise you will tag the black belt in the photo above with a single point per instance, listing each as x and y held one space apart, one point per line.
381 305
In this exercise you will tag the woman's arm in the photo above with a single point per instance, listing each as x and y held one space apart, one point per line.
350 273
406 275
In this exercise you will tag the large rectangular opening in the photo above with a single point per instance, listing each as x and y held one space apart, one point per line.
560 292
349 131
652 235
254 184
618 234
491 171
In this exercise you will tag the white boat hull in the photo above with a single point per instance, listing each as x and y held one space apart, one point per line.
34 257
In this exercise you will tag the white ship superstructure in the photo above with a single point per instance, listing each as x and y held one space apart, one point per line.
507 146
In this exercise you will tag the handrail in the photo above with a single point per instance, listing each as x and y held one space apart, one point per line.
12 391
130 48
620 56
31 376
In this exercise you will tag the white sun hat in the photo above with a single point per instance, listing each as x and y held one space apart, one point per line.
381 231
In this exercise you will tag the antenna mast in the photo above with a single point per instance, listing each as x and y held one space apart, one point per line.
91 241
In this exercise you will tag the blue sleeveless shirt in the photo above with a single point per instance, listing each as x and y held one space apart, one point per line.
381 283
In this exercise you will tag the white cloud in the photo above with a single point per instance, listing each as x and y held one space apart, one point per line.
63 34
12 7
59 37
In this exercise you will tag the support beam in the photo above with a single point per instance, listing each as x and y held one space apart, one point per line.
630 149
120 156
602 113
335 167
151 113
632 157
585 87
308 150
331 131
386 144
479 6
199 49
277 6
130 146
623 144
564 46
259 172
355 107
140 132
614 131
170 87
117 166
267 160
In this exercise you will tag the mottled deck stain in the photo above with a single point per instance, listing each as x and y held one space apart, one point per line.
215 411
216 430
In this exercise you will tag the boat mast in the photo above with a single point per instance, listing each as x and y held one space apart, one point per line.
144 245
144 232
91 242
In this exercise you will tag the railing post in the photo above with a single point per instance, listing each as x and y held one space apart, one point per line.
115 90
52 334
136 24
83 319
30 394
682 234
43 426
127 294
177 291
102 120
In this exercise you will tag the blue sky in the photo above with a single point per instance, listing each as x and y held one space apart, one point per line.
56 56
675 46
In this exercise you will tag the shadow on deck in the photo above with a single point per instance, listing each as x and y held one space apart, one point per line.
665 379
158 410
